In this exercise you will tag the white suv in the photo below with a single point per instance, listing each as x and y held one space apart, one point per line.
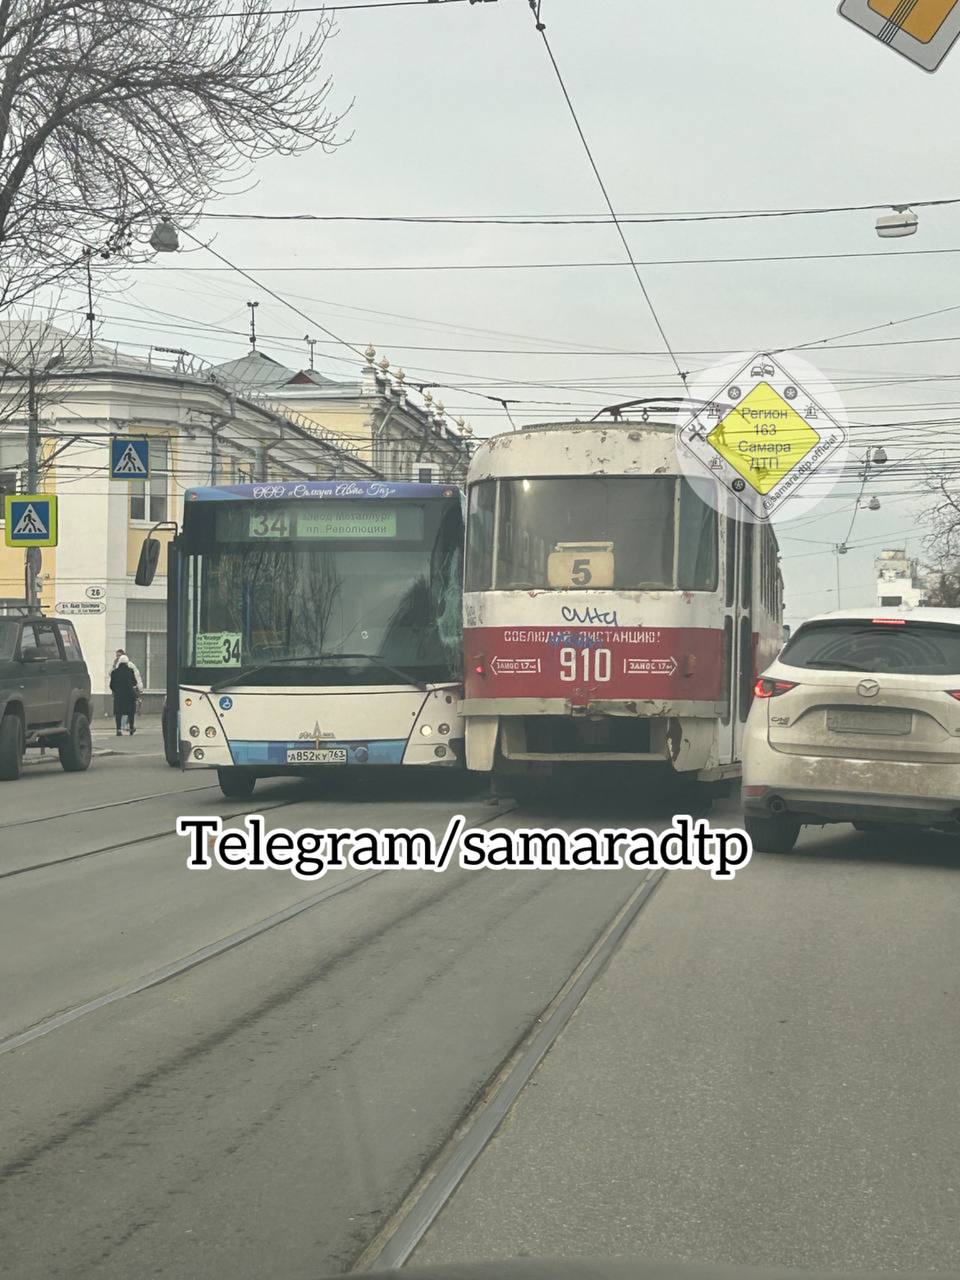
858 720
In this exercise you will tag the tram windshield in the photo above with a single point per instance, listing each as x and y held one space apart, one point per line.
627 533
322 593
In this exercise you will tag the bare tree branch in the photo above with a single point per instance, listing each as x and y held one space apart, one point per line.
113 114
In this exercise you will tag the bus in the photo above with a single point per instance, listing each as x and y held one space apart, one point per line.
614 614
314 626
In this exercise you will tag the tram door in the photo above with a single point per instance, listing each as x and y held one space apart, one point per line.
738 656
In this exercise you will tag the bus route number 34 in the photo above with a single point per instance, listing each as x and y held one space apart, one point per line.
593 666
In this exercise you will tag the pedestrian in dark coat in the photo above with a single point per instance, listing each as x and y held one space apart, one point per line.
125 687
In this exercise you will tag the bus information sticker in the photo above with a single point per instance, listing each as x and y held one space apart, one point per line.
348 522
762 436
218 649
922 30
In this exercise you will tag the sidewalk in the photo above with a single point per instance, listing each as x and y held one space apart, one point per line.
147 741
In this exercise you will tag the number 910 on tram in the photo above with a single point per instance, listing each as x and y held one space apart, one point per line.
613 614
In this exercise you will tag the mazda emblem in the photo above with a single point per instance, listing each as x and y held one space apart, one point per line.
868 688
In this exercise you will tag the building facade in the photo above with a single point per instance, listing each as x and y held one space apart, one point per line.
202 429
901 581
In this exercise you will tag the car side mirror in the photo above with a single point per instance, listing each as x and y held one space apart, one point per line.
147 564
32 655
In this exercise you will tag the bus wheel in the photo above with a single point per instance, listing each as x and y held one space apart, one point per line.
236 784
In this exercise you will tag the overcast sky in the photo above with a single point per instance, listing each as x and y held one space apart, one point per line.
688 105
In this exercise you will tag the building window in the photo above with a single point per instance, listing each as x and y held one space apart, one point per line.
9 483
147 641
148 498
244 473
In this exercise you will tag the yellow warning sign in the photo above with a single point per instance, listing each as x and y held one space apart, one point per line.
921 19
763 438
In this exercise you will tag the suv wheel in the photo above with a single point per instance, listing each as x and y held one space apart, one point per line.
11 747
773 835
76 750
236 784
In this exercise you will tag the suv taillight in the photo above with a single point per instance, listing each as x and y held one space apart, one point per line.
765 688
954 693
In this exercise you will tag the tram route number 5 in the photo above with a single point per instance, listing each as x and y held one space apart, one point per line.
591 665
581 564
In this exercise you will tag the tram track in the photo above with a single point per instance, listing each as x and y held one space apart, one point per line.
202 954
133 841
110 804
409 1223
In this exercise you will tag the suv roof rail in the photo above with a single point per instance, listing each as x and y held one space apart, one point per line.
22 608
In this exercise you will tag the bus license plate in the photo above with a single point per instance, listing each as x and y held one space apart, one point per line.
317 755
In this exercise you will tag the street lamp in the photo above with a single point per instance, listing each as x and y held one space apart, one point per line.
902 222
164 238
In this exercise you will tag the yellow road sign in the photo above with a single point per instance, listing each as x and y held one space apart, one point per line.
763 438
922 30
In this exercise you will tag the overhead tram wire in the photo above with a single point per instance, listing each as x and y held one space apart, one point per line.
634 263
345 8
570 219
541 28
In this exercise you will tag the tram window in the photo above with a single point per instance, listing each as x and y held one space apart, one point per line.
727 667
746 565
634 516
746 672
731 563
479 570
697 566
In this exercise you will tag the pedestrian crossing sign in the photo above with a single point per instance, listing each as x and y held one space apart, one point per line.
30 520
129 459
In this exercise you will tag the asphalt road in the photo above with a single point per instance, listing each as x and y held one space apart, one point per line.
765 1072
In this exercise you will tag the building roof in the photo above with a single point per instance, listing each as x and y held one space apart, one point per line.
259 372
26 341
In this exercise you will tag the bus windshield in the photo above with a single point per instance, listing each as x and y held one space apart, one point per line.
286 587
628 533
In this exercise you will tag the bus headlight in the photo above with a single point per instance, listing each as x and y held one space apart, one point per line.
426 730
194 731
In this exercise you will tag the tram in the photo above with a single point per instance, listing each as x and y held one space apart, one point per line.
313 626
613 613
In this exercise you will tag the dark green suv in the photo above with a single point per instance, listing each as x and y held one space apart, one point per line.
44 693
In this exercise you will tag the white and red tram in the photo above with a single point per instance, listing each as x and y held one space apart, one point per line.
611 615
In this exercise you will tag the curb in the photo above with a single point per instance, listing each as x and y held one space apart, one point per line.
49 759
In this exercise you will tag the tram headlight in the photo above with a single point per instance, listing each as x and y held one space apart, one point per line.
439 751
426 730
194 731
198 753
210 731
443 728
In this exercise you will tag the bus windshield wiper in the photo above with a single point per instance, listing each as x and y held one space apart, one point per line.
375 658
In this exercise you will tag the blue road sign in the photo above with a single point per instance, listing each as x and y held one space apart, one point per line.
30 520
129 459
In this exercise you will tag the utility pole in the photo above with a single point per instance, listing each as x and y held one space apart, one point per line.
311 343
33 479
253 324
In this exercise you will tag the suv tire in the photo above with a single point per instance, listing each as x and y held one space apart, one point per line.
11 747
236 784
773 835
76 749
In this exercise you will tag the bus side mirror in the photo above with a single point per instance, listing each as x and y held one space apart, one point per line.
147 565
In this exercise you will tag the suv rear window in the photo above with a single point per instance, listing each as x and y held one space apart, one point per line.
907 648
71 645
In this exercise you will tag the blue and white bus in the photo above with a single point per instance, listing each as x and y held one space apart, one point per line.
317 626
